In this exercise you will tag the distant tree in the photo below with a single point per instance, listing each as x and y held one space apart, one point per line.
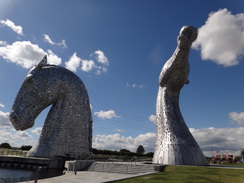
242 153
126 152
242 156
106 152
95 151
140 150
5 145
25 148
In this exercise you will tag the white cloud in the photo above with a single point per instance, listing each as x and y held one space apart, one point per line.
135 85
87 65
152 118
98 65
147 140
18 29
3 43
100 69
221 39
104 69
119 130
7 136
141 86
16 138
209 139
63 43
48 39
112 142
53 59
117 142
101 57
22 53
37 131
26 54
237 118
73 63
23 135
1 105
106 114
4 119
219 139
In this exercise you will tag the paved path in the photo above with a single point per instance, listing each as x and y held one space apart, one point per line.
87 177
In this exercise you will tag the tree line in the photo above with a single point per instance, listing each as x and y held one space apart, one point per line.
7 146
122 152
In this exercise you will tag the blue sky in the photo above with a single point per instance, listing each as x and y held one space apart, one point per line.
118 49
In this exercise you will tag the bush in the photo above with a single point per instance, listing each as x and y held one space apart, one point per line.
5 145
25 148
126 152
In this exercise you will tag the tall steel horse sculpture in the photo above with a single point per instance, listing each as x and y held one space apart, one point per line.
174 142
67 129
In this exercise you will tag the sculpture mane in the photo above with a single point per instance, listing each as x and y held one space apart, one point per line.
174 142
67 129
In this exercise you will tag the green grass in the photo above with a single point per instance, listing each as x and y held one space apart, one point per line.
233 164
190 174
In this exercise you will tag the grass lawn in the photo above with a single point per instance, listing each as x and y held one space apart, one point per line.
190 174
233 164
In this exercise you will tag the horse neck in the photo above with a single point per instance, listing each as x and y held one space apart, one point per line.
69 104
180 56
168 99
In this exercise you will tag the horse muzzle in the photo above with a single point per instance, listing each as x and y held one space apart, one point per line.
18 123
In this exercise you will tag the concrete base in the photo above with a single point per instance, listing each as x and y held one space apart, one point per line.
159 168
78 165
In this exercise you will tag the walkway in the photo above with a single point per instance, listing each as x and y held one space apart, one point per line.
87 177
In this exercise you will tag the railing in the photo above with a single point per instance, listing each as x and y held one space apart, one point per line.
133 159
90 157
107 161
77 156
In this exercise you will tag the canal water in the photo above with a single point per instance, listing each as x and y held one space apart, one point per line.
13 175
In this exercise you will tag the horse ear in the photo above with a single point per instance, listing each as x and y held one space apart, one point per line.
42 63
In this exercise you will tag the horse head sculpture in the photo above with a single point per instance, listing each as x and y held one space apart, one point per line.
68 126
174 142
